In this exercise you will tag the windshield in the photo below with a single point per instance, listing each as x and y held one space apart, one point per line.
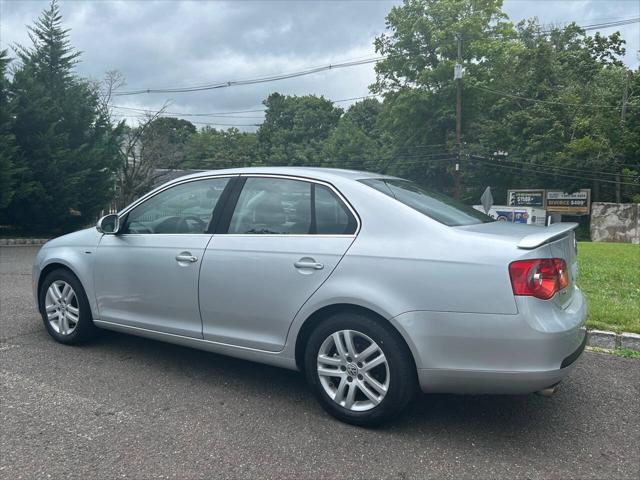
434 205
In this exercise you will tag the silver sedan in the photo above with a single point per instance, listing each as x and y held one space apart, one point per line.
371 285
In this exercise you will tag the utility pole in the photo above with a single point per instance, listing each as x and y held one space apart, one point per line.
458 78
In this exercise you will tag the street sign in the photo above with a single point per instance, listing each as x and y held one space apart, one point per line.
526 198
577 203
457 72
487 200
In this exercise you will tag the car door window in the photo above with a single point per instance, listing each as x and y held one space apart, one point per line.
184 208
279 206
273 206
331 215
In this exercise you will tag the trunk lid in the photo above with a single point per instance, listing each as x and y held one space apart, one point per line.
555 241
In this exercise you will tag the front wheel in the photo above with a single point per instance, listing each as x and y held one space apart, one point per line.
360 369
65 309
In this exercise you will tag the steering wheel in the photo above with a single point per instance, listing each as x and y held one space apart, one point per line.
183 225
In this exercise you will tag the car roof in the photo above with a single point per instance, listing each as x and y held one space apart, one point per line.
317 173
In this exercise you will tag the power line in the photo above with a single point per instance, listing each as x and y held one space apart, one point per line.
617 23
520 168
271 78
228 113
204 123
550 102
554 167
321 68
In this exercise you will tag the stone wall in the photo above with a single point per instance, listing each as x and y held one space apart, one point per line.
615 222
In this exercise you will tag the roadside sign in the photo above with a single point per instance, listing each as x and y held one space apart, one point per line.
487 199
526 198
577 203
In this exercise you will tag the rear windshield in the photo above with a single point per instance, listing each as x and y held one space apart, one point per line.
434 205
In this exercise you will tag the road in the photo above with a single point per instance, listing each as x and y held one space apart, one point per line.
129 407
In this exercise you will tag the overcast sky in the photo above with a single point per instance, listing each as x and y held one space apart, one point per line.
157 44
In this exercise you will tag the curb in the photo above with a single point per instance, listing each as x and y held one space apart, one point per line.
5 242
612 340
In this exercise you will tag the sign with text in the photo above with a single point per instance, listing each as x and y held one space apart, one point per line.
526 198
577 203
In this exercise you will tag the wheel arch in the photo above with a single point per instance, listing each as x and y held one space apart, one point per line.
50 267
325 312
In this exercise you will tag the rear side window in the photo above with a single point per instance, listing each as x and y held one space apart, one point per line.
279 206
434 205
332 216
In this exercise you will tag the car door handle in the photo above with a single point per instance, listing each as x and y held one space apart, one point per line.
186 257
308 264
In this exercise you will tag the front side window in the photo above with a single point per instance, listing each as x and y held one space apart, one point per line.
434 205
279 206
185 208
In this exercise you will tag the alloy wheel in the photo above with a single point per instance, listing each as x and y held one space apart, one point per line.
62 308
353 370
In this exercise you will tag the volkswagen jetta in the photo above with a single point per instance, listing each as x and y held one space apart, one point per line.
369 284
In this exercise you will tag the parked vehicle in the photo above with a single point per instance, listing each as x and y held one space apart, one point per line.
369 284
526 215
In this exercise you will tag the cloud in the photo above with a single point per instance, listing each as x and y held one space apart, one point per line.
159 44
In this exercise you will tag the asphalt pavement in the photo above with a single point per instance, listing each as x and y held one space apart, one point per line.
126 407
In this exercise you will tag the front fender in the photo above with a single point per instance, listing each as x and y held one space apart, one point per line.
75 252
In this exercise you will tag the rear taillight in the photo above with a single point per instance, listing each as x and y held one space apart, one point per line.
540 277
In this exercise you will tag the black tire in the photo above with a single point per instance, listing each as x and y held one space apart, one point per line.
85 329
402 381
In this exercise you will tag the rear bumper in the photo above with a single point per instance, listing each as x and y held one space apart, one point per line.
481 353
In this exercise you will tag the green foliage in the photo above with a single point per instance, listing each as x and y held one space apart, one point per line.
356 142
213 149
165 140
551 100
626 353
561 134
67 150
7 139
295 128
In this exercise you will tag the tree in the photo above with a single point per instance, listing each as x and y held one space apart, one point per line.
7 139
551 100
212 149
138 168
417 77
165 139
295 128
559 119
357 141
67 147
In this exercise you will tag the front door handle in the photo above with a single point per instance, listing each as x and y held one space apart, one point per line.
186 257
308 264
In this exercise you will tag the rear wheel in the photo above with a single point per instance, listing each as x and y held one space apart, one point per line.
360 369
65 309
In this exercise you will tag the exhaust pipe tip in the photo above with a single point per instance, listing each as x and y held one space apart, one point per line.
549 391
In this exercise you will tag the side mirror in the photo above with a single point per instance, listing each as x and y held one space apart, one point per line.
109 224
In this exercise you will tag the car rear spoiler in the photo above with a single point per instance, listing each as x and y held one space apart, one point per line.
546 234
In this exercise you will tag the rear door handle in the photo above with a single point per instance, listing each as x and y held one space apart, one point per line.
186 257
308 264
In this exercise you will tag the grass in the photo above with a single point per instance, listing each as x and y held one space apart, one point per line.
609 276
620 352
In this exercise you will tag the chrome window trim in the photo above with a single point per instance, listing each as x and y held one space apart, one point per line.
309 180
337 192
155 192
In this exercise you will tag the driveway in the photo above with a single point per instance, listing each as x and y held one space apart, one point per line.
129 407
